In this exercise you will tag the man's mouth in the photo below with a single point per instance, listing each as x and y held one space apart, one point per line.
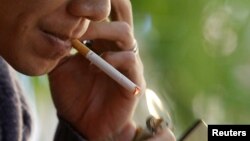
61 41
61 37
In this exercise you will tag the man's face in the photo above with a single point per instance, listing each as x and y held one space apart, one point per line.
35 34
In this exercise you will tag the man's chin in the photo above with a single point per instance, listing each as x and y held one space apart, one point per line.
36 69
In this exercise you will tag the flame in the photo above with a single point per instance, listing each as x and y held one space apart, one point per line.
153 102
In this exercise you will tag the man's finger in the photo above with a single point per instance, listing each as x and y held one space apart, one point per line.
164 135
121 10
119 32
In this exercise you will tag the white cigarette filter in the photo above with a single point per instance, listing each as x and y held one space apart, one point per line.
106 67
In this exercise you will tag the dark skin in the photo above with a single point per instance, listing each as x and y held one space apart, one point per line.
35 40
106 106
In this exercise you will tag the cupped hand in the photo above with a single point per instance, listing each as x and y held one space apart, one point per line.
165 135
93 103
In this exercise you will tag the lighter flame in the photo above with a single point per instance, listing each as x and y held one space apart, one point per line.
153 103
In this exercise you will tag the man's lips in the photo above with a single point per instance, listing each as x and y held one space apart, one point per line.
58 40
62 37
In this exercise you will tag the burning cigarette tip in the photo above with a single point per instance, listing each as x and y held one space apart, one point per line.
137 90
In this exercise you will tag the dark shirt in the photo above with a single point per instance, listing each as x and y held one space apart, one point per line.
15 116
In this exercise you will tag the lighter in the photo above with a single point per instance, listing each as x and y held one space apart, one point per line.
154 125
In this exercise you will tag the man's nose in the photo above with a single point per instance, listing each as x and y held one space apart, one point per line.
94 10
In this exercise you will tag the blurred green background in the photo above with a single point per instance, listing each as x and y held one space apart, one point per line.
196 58
196 54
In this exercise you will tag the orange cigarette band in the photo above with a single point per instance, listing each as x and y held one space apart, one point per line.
106 67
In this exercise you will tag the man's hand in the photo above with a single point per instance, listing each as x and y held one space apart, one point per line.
94 104
165 135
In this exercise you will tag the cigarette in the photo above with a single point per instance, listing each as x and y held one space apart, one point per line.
105 67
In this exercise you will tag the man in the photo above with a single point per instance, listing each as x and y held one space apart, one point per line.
35 40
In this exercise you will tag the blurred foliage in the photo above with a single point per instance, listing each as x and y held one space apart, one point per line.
196 55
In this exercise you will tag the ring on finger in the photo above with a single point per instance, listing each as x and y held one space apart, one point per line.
135 48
